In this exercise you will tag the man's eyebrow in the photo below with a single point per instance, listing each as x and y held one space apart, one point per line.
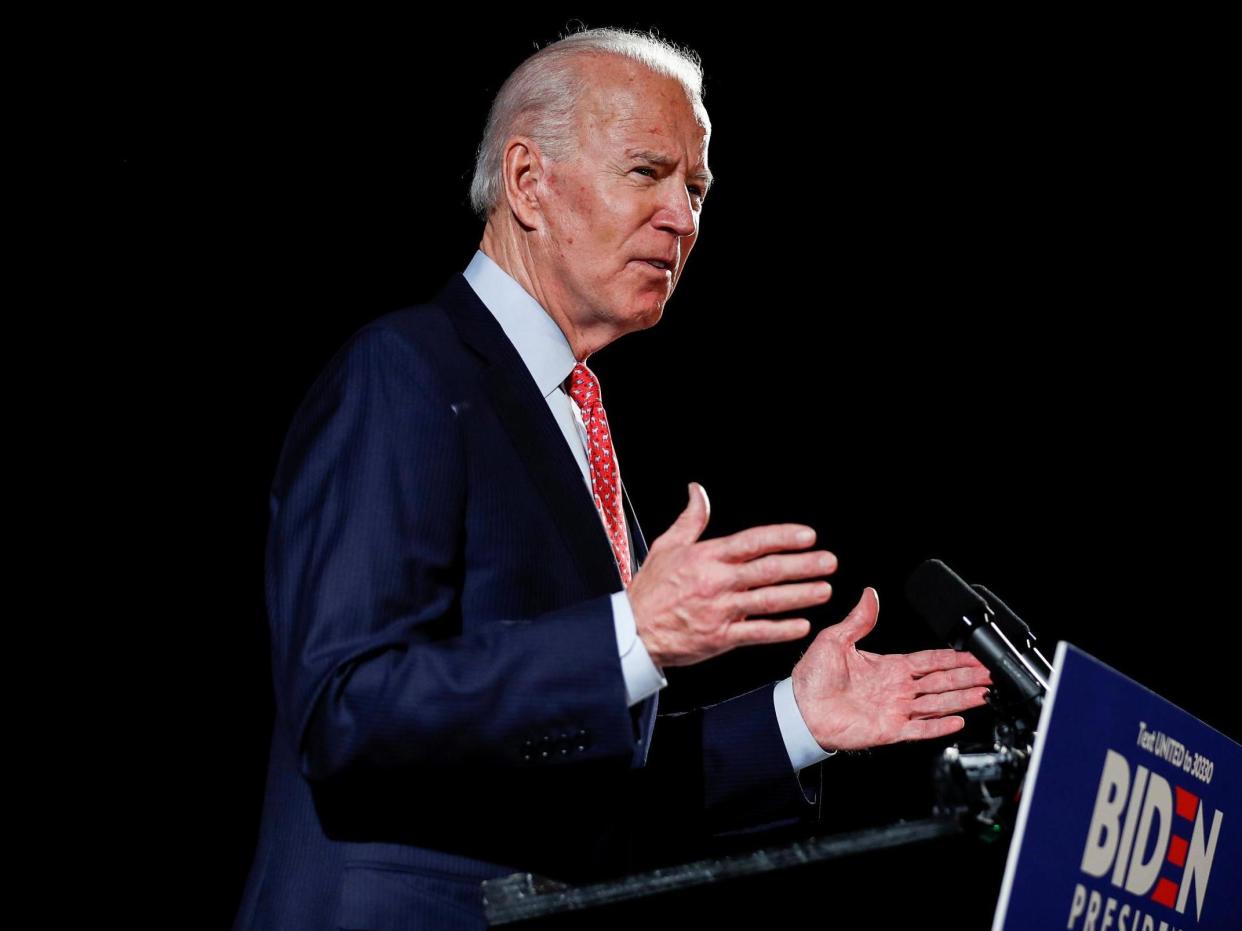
658 158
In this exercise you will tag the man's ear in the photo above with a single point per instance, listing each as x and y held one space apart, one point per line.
523 176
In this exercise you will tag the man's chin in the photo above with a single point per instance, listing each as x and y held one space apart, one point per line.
642 317
649 318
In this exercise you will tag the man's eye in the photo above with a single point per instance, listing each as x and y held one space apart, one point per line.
694 190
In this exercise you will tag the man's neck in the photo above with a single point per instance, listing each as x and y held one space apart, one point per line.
518 264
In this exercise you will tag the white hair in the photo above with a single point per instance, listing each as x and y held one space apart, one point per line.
540 97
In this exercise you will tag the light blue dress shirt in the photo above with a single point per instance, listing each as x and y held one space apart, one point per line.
548 356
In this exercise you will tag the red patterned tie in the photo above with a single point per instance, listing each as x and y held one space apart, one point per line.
605 476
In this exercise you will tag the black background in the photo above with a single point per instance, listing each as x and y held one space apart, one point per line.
958 293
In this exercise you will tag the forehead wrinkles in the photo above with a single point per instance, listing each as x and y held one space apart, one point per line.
627 124
631 99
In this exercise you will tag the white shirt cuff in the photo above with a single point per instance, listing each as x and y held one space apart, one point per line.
643 678
803 749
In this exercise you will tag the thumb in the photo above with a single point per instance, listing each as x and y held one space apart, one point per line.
691 523
861 621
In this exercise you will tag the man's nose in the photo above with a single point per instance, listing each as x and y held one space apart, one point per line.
676 213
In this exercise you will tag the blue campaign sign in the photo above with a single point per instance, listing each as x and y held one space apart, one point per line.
1131 817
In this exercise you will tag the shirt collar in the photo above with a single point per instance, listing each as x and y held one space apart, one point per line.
535 335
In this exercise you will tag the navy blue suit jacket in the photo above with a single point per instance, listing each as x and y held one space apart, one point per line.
449 699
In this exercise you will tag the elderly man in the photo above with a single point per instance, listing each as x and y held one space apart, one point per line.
468 630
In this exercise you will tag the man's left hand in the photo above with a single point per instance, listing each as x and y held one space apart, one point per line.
852 699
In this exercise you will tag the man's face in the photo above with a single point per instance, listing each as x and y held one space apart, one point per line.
629 196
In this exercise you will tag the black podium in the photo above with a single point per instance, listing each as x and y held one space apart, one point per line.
899 875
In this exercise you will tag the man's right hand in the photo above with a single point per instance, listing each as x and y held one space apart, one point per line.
692 600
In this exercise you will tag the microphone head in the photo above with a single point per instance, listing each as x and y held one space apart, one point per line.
942 599
1004 613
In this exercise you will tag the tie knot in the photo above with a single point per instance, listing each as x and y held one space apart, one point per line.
584 387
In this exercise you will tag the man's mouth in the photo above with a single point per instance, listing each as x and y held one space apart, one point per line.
663 265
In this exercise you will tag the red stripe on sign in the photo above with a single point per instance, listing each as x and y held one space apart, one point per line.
1187 804
1177 850
1165 894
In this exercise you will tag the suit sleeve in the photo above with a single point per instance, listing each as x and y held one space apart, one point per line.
372 668
720 771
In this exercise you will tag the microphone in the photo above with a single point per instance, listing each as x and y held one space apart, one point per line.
1019 632
973 621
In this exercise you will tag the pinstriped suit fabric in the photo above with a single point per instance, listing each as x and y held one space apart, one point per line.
450 704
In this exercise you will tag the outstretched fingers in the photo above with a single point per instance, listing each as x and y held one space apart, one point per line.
949 702
861 619
947 680
785 567
931 728
774 599
748 544
926 661
750 633
690 524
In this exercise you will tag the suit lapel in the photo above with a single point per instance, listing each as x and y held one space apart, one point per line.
534 432
643 714
636 533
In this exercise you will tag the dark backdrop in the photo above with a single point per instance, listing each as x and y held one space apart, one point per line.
956 294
